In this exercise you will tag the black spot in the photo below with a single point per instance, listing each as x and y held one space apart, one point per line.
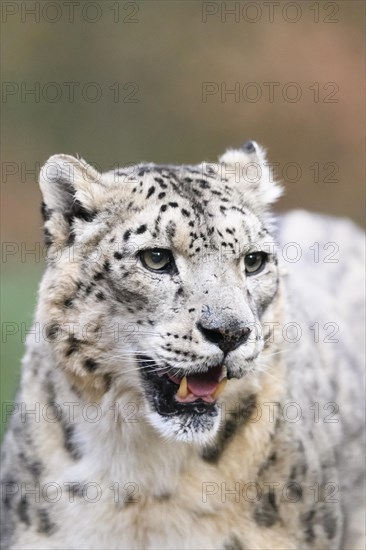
271 461
35 468
185 212
236 420
77 210
330 523
294 491
22 510
128 500
75 489
141 229
45 525
233 544
173 204
11 484
266 511
50 390
107 381
99 296
303 468
126 235
90 365
150 192
68 431
164 207
89 288
293 474
48 237
307 520
74 345
98 276
161 195
118 255
125 296
273 458
68 302
248 146
107 266
71 238
52 331
46 212
204 184
171 229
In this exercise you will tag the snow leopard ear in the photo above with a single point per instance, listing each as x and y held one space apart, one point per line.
249 167
71 191
65 180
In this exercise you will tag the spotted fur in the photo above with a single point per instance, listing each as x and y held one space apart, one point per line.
99 466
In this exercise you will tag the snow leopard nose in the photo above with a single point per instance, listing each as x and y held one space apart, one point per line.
226 338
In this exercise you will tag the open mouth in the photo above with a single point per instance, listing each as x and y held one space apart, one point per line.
206 386
177 394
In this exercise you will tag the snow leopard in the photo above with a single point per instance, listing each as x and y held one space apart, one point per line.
194 375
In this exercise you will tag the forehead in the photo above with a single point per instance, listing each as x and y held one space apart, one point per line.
193 183
186 203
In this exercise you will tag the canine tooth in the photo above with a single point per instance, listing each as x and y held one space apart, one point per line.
183 388
220 388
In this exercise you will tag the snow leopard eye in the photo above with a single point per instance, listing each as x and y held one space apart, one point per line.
157 259
255 262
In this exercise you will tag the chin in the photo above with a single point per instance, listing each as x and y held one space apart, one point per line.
189 427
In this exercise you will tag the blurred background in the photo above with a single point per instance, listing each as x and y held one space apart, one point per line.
176 82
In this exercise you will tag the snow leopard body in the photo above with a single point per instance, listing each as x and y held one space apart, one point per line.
101 453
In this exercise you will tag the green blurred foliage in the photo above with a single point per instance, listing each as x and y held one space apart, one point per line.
18 299
162 52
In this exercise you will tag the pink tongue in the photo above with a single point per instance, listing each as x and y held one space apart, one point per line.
200 387
204 384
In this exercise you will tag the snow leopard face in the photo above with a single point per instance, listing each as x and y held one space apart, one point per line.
164 274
